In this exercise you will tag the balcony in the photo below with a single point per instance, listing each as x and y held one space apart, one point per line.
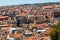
4 25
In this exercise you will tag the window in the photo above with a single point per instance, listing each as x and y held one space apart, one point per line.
4 22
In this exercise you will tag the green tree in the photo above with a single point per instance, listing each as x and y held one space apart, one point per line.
55 33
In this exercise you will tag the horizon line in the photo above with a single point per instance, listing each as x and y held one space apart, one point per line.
26 3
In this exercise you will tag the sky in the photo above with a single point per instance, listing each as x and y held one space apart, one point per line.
16 2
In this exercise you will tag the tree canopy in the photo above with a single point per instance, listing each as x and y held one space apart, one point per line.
55 33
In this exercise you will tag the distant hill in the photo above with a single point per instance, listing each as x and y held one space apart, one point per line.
41 4
36 4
